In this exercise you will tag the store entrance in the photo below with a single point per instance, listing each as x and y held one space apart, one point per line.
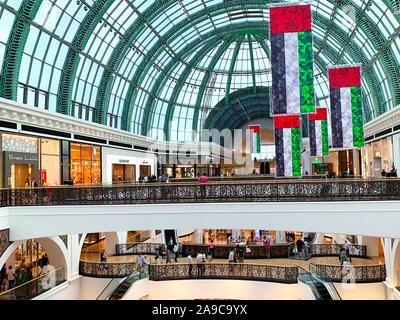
123 173
145 171
20 174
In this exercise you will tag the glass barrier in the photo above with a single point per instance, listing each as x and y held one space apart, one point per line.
35 287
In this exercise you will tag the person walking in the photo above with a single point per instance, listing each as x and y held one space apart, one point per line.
267 246
211 246
300 245
347 249
342 256
203 180
157 256
306 248
10 276
231 258
168 256
190 261
199 260
176 251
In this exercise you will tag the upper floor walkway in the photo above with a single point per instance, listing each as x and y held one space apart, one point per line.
344 206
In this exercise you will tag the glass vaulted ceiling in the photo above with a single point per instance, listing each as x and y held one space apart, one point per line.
151 66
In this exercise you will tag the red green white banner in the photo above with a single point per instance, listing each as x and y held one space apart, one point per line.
255 138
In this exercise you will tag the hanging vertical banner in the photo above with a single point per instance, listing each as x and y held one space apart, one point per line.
288 146
292 60
346 107
318 132
255 138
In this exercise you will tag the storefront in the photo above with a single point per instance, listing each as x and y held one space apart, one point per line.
125 166
29 160
85 163
378 156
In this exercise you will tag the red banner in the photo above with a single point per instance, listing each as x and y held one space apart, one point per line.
345 77
321 114
290 19
283 122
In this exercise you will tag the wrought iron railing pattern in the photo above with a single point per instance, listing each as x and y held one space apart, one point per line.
333 249
232 271
222 251
243 191
106 270
139 247
358 274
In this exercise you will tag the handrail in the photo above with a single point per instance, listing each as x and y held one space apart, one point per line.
120 280
30 281
309 274
327 280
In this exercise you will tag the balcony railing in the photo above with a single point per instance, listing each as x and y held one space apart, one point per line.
230 271
350 273
318 250
257 251
243 191
106 270
35 287
139 247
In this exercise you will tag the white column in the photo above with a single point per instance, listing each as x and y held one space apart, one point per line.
280 237
75 254
122 236
396 151
199 236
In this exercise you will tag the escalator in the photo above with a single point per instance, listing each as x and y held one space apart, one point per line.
321 289
117 288
168 234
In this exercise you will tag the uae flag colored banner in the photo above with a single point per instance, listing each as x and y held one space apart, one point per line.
318 131
287 146
255 132
292 60
346 107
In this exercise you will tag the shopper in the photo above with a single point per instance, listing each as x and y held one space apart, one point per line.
10 276
231 257
347 249
211 246
176 251
157 256
342 256
190 261
306 248
300 245
171 244
240 255
168 257
203 180
199 260
267 246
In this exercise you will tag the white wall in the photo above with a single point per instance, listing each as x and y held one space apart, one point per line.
367 218
113 155
90 288
69 290
372 244
305 292
362 291
221 289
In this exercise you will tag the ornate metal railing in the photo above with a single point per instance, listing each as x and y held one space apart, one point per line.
222 251
358 274
243 191
106 270
231 271
139 247
317 250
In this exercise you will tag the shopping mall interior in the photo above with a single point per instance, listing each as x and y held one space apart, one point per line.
199 150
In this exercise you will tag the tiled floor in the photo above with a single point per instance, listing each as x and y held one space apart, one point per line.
95 257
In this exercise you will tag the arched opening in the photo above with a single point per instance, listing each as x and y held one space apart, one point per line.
94 243
25 262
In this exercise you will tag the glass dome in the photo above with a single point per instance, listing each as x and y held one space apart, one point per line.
162 66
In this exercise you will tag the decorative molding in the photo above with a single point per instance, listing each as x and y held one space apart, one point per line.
383 122
26 115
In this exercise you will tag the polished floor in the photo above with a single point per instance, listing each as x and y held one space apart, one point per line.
95 257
